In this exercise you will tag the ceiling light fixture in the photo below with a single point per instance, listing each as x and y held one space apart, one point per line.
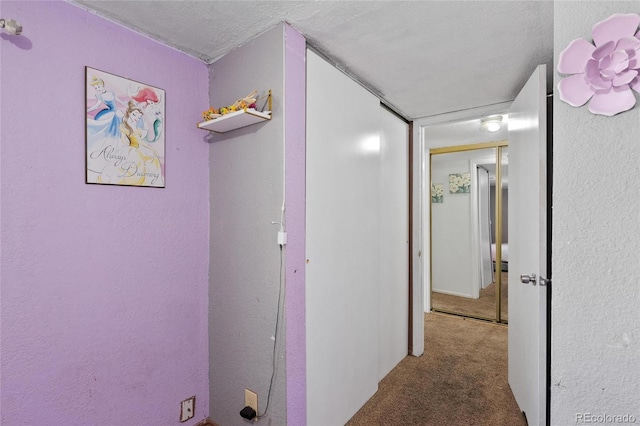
491 124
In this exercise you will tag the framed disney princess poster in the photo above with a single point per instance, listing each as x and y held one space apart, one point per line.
125 131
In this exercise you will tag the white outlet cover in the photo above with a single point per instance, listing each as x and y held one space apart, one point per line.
187 408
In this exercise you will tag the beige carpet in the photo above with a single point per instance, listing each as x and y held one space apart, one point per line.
483 307
460 380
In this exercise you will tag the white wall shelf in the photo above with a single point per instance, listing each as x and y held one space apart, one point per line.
237 119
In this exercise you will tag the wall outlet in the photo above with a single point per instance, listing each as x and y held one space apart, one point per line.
187 409
251 400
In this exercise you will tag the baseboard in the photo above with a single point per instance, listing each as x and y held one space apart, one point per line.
206 422
454 293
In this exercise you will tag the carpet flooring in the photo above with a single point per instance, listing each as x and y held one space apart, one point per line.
483 307
460 380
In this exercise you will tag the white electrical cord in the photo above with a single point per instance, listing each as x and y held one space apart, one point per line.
281 234
275 343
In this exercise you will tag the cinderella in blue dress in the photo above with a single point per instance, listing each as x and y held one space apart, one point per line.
103 129
106 123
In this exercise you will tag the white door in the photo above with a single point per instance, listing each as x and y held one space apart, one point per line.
484 226
527 248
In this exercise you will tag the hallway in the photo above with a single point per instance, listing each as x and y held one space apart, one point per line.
460 380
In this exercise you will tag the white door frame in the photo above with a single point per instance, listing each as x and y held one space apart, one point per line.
420 214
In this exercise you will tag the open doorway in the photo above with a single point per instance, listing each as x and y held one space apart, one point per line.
445 130
528 236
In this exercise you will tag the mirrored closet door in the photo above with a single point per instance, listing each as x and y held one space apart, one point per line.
468 231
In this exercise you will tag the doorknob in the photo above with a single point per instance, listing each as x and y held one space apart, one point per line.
526 279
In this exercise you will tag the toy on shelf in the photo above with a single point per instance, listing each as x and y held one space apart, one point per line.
248 101
241 113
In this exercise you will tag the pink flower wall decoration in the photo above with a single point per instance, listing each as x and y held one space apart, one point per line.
607 72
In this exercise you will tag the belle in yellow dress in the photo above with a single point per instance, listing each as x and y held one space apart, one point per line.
134 162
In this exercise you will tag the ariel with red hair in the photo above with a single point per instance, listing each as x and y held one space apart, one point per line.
148 99
145 95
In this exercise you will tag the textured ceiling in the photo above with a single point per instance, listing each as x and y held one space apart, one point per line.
422 57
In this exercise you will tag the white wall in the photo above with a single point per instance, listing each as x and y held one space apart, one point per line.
356 244
394 241
451 260
595 345
246 175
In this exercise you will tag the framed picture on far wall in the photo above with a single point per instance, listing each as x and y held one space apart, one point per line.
125 131
437 193
460 183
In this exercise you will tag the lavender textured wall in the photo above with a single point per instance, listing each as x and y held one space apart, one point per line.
295 72
104 288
